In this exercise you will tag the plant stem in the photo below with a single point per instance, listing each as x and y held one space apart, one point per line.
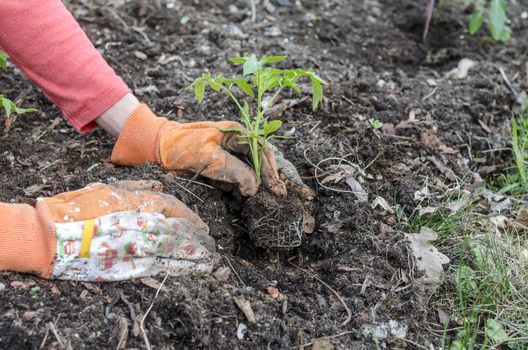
255 132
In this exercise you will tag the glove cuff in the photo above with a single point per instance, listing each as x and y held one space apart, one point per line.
27 239
138 141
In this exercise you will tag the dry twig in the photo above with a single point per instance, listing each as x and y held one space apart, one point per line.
145 338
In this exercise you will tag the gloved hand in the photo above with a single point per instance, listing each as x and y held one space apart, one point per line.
104 233
201 148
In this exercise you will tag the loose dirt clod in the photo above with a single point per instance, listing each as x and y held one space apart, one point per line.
273 222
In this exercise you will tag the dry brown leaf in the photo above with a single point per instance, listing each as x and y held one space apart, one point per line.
450 174
428 139
385 229
428 258
358 190
222 274
275 293
388 129
55 290
484 126
19 285
245 306
447 150
152 283
381 202
28 315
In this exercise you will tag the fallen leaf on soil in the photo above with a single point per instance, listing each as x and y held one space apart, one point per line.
388 129
245 306
28 315
55 290
428 139
34 189
523 257
343 268
426 211
20 285
222 274
334 228
443 168
422 194
121 332
241 330
54 123
274 293
84 293
447 150
381 202
358 190
460 204
522 217
152 283
308 222
462 69
499 221
385 229
323 344
442 316
428 258
484 126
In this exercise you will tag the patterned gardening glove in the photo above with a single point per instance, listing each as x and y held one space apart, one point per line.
201 148
104 233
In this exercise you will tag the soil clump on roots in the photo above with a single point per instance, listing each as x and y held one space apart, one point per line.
274 222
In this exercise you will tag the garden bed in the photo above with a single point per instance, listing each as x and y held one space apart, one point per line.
372 56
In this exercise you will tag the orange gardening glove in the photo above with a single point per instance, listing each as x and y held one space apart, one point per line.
201 148
28 241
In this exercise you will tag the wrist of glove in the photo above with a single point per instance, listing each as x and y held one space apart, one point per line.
104 233
202 148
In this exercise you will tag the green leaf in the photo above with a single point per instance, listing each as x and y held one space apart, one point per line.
245 115
251 65
215 85
465 279
477 18
505 34
245 87
272 59
7 103
3 60
497 19
238 60
317 96
375 123
184 20
199 90
495 331
292 85
272 126
24 110
235 129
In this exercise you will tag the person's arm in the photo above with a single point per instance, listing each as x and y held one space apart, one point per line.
53 51
44 40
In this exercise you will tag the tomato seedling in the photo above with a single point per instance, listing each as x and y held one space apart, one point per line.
268 82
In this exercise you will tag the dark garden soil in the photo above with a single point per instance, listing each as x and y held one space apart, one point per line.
376 65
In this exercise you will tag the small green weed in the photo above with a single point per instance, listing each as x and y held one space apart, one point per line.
8 105
268 82
515 181
490 12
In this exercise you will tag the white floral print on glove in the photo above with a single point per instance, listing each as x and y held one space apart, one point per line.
127 245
